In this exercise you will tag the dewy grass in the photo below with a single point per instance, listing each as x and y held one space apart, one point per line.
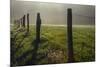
53 45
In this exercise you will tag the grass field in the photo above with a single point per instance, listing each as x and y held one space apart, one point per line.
53 45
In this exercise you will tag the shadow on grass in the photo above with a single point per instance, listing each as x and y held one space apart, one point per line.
22 60
36 45
33 60
15 49
36 57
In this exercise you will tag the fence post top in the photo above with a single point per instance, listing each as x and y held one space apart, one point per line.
69 9
38 13
27 13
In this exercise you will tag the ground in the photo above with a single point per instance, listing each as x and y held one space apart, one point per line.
53 45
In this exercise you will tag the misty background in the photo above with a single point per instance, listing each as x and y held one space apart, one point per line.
53 13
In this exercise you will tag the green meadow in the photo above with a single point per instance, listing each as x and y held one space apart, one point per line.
52 48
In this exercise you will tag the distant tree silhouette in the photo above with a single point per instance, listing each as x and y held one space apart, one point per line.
70 39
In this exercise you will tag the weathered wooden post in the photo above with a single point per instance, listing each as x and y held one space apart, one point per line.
37 41
24 21
17 23
70 38
20 22
14 22
28 22
38 25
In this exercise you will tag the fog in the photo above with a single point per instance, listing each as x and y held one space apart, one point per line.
53 13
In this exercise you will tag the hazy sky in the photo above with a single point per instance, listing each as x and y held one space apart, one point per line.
53 13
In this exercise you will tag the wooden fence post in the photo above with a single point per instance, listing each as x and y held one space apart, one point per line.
70 38
17 23
14 22
37 41
20 22
38 25
28 22
24 21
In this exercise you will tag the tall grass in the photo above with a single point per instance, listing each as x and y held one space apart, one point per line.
53 45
